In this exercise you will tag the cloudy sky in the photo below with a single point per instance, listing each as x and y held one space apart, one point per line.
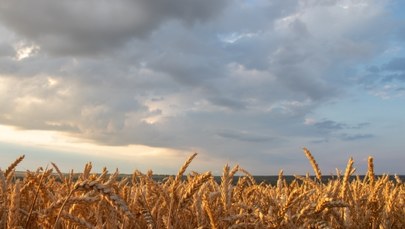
141 84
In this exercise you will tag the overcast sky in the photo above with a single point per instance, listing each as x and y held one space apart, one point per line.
141 84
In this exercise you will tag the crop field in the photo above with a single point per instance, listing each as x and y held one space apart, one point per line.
48 198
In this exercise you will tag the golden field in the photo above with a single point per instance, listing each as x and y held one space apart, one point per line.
48 198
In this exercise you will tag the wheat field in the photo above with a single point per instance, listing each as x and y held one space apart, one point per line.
48 198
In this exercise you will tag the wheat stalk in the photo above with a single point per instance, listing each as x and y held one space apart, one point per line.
36 197
13 214
77 220
173 195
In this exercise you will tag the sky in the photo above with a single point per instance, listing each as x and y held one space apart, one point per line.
142 84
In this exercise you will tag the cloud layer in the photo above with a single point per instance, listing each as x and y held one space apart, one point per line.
228 78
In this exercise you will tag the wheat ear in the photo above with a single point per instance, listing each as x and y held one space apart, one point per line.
346 177
313 163
185 166
249 176
225 182
13 165
280 181
3 182
60 174
397 179
146 213
370 172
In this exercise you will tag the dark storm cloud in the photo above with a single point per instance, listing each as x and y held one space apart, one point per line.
91 27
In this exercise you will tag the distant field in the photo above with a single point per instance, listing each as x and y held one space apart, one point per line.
271 180
51 199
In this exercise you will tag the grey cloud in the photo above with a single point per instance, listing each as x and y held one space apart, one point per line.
6 50
361 125
329 130
401 32
301 82
68 106
373 69
396 64
378 77
318 141
157 99
251 52
243 136
86 28
242 17
392 77
334 126
354 137
228 103
367 80
329 125
187 71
